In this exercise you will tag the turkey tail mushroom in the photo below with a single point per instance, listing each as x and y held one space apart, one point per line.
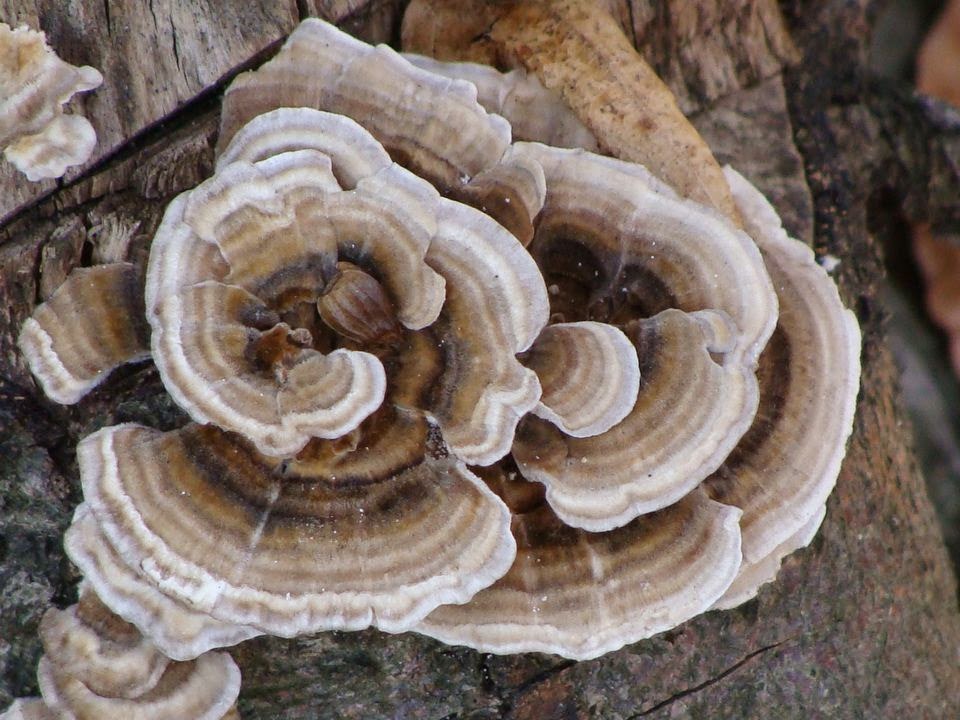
98 666
35 135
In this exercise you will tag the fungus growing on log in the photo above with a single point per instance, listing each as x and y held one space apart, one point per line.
77 337
98 666
435 126
499 393
534 112
328 530
781 473
589 375
284 548
580 594
691 293
578 51
35 134
787 464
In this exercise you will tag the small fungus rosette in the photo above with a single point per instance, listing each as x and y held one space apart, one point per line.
95 665
658 312
35 134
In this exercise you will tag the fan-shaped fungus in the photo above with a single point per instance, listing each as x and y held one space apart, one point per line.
35 135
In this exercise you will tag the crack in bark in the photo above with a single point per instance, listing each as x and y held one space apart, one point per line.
707 683
36 273
633 24
303 11
176 48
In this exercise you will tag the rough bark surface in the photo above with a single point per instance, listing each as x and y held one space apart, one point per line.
864 623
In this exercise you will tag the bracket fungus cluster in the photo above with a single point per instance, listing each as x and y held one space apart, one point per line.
508 395
98 666
35 134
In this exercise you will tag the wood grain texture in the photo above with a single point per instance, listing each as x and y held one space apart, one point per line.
707 49
864 623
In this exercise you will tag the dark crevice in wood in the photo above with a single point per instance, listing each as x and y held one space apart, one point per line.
153 14
176 48
632 30
37 275
486 680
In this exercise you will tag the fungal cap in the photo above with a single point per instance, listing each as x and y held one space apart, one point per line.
285 548
580 594
34 84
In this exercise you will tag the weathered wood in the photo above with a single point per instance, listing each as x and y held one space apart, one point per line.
861 624
154 56
707 49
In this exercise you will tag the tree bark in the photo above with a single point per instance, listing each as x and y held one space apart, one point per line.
863 623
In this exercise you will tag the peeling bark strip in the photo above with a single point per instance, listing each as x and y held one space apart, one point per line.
849 605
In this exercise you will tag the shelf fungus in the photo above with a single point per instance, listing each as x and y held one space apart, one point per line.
785 468
691 293
581 594
35 134
779 473
508 395
534 112
95 666
345 350
77 337
435 126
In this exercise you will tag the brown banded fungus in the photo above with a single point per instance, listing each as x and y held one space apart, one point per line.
779 474
288 512
98 666
534 112
77 337
579 53
785 468
285 548
580 594
435 127
35 134
518 426
621 543
689 291
566 591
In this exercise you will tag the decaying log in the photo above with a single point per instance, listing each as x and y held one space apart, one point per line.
864 623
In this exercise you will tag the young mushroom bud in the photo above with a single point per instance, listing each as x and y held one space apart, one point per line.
356 306
278 349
